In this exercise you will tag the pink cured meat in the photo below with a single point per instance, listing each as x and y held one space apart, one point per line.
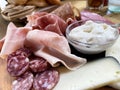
14 39
39 64
46 80
49 22
21 51
18 62
16 66
54 48
86 15
33 17
23 82
37 38
52 22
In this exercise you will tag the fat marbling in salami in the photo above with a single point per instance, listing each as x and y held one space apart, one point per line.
18 62
46 80
39 64
23 82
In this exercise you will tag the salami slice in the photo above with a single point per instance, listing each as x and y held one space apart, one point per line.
25 51
23 82
22 51
17 65
39 64
46 80
18 62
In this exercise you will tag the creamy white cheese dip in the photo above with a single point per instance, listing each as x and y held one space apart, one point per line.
93 32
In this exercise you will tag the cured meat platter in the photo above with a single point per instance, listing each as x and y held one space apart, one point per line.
6 79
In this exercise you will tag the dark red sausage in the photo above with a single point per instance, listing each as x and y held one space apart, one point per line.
22 51
23 82
17 65
46 80
39 64
18 62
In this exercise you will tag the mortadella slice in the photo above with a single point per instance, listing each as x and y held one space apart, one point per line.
54 48
37 38
55 57
14 39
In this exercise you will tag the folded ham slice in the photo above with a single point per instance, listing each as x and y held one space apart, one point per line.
37 38
55 57
54 48
14 39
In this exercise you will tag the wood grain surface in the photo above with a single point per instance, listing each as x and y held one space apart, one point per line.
5 78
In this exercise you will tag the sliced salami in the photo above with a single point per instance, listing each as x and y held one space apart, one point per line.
22 51
17 65
25 51
46 80
39 64
23 82
18 62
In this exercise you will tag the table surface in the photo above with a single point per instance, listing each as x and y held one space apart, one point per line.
80 4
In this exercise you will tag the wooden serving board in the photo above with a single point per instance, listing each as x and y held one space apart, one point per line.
5 78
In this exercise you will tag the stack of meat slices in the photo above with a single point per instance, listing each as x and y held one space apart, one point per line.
34 50
32 72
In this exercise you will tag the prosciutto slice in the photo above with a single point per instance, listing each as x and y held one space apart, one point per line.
32 18
47 22
54 48
14 39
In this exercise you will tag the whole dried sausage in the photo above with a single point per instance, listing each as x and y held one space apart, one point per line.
39 64
23 82
46 80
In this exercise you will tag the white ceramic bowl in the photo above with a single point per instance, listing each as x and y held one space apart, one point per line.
92 48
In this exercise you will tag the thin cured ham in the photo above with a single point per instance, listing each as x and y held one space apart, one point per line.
33 17
52 23
54 48
47 22
14 39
